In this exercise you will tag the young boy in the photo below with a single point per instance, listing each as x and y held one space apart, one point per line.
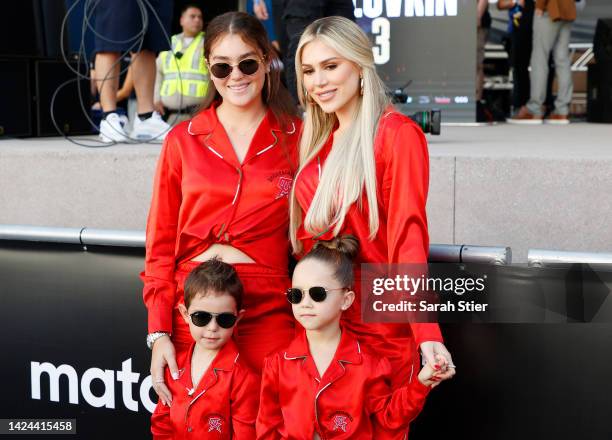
215 396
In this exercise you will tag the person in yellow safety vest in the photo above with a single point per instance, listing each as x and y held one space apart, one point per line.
182 83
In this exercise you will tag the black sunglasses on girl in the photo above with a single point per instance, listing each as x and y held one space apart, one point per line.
317 293
224 320
222 70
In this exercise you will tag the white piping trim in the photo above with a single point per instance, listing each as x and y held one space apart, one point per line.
196 397
236 358
265 149
358 348
189 129
411 372
293 358
292 128
211 149
320 391
236 195
269 146
315 402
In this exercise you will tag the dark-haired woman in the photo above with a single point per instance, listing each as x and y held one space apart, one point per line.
221 189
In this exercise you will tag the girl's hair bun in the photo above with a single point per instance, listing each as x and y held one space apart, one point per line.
339 253
345 244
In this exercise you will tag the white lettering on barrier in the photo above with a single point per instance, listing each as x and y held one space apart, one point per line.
108 379
126 376
37 369
145 386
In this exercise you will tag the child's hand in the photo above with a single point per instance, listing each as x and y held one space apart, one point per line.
429 376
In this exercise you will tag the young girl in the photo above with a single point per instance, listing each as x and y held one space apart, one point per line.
215 395
325 384
221 189
363 171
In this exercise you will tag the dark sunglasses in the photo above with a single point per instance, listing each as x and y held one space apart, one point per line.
317 293
225 320
223 70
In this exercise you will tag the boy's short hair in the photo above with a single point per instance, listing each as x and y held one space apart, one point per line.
191 5
214 276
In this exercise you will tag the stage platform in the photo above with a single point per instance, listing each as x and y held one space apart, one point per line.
525 187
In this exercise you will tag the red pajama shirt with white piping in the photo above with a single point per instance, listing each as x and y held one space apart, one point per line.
204 195
353 400
402 178
222 406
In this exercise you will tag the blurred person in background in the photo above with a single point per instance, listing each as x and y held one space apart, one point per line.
294 16
552 25
482 35
119 30
182 83
520 28
270 23
484 24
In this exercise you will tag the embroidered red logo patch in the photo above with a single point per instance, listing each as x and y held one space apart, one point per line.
215 423
284 186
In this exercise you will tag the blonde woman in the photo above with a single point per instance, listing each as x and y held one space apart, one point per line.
363 171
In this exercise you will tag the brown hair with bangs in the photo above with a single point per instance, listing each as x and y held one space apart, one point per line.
214 277
274 93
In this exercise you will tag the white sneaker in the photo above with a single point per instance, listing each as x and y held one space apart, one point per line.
153 129
111 128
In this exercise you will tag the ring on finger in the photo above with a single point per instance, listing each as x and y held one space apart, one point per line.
449 363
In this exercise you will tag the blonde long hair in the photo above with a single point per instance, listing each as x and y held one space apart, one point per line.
350 166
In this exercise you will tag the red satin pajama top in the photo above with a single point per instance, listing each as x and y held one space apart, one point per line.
402 176
353 399
204 195
222 406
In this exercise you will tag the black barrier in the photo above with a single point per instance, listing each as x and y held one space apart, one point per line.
74 324
78 315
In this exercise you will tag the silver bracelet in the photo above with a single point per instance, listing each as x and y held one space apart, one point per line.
152 337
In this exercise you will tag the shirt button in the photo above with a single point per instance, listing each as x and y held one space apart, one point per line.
189 429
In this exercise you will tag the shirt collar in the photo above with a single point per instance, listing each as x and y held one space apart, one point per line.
348 351
227 357
206 121
224 361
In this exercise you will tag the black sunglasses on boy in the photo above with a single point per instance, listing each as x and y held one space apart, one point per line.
224 320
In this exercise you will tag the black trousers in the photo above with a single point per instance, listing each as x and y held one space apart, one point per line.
292 19
521 41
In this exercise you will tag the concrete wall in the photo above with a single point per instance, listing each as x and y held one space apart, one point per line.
486 188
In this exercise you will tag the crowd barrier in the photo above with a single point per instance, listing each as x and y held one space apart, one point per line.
552 258
443 253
